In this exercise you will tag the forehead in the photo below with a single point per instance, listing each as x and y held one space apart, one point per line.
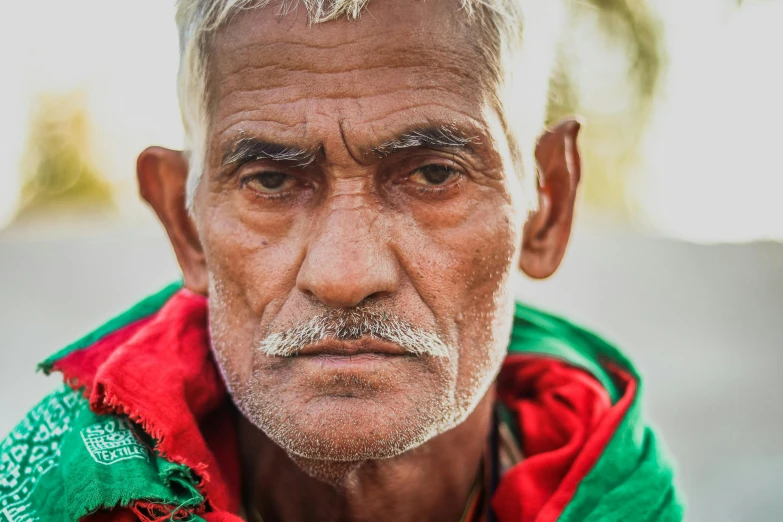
404 63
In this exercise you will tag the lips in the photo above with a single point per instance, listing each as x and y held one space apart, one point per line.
362 346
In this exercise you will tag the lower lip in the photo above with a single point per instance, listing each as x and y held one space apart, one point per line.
358 362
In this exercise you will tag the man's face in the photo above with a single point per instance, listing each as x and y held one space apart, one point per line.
356 174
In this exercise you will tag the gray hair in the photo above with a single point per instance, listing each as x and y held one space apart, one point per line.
522 70
349 325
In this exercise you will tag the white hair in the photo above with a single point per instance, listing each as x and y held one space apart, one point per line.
341 325
522 69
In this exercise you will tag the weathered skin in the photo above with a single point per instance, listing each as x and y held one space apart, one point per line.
428 235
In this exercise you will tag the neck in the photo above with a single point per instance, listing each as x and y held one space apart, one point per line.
429 483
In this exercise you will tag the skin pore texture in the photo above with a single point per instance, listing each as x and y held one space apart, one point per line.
356 230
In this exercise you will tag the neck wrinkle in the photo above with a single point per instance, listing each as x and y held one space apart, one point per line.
429 483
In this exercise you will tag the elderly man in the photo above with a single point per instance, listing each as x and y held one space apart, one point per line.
362 182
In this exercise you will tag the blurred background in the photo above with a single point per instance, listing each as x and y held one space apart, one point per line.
677 255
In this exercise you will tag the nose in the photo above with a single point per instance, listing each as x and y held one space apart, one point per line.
348 261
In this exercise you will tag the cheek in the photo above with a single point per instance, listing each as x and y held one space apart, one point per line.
487 304
250 273
486 260
460 262
462 273
254 256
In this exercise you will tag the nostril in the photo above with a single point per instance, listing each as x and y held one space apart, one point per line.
377 296
308 293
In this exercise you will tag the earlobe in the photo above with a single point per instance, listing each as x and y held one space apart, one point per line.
162 176
548 229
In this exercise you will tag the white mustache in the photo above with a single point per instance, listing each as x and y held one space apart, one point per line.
341 325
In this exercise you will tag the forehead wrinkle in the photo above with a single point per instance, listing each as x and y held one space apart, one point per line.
293 78
387 57
289 68
241 118
350 84
294 99
290 52
291 40
362 79
273 49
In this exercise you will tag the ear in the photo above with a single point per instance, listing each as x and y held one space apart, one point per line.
546 232
162 175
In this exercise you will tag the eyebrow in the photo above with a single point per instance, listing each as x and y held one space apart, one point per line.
440 137
254 149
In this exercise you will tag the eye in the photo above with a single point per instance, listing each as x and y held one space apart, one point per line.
435 175
269 182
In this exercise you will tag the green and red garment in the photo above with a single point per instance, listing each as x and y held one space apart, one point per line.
143 428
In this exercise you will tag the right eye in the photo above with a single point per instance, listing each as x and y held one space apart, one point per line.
435 175
269 182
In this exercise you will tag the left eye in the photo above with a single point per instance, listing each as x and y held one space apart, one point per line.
269 182
434 175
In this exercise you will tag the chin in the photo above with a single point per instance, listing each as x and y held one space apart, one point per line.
350 430
350 426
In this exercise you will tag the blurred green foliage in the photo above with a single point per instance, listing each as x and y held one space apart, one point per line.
57 167
630 24
610 141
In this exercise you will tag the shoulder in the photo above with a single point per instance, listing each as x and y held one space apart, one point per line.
624 468
536 332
